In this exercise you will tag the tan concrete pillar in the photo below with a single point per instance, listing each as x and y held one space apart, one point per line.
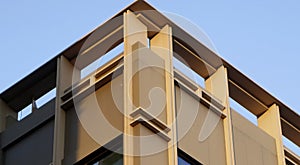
147 136
134 31
162 45
217 85
270 123
64 78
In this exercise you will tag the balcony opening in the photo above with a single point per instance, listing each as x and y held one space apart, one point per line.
290 145
24 112
243 111
102 60
38 103
192 75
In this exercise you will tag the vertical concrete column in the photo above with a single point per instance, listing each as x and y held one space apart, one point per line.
134 31
65 73
217 85
5 112
162 45
149 129
270 123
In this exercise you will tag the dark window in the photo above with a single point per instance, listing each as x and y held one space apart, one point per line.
105 156
287 162
112 159
185 159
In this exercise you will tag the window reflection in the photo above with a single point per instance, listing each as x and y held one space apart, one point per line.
182 162
185 159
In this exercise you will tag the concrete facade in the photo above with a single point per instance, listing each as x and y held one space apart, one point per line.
140 108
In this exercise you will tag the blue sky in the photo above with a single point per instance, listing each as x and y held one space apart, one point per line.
259 37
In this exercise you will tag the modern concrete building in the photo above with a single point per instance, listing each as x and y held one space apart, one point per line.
143 105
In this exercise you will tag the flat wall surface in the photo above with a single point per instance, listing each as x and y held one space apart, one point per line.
94 121
251 144
34 148
190 117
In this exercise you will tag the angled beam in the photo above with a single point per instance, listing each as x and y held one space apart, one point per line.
290 131
291 156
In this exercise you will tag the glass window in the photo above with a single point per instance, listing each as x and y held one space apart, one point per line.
112 159
185 159
107 157
182 161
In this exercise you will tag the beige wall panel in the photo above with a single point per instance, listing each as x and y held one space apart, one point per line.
241 152
251 144
151 144
78 142
108 124
143 84
210 151
110 104
217 145
247 128
254 152
269 157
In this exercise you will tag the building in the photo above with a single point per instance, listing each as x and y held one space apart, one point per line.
141 106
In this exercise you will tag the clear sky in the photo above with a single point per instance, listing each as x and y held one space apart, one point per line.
259 37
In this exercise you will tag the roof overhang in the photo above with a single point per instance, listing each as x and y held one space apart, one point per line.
33 86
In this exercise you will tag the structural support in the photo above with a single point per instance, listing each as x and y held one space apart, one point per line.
6 114
134 31
161 44
148 95
66 73
217 85
270 123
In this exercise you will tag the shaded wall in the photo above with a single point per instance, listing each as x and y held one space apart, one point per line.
30 141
